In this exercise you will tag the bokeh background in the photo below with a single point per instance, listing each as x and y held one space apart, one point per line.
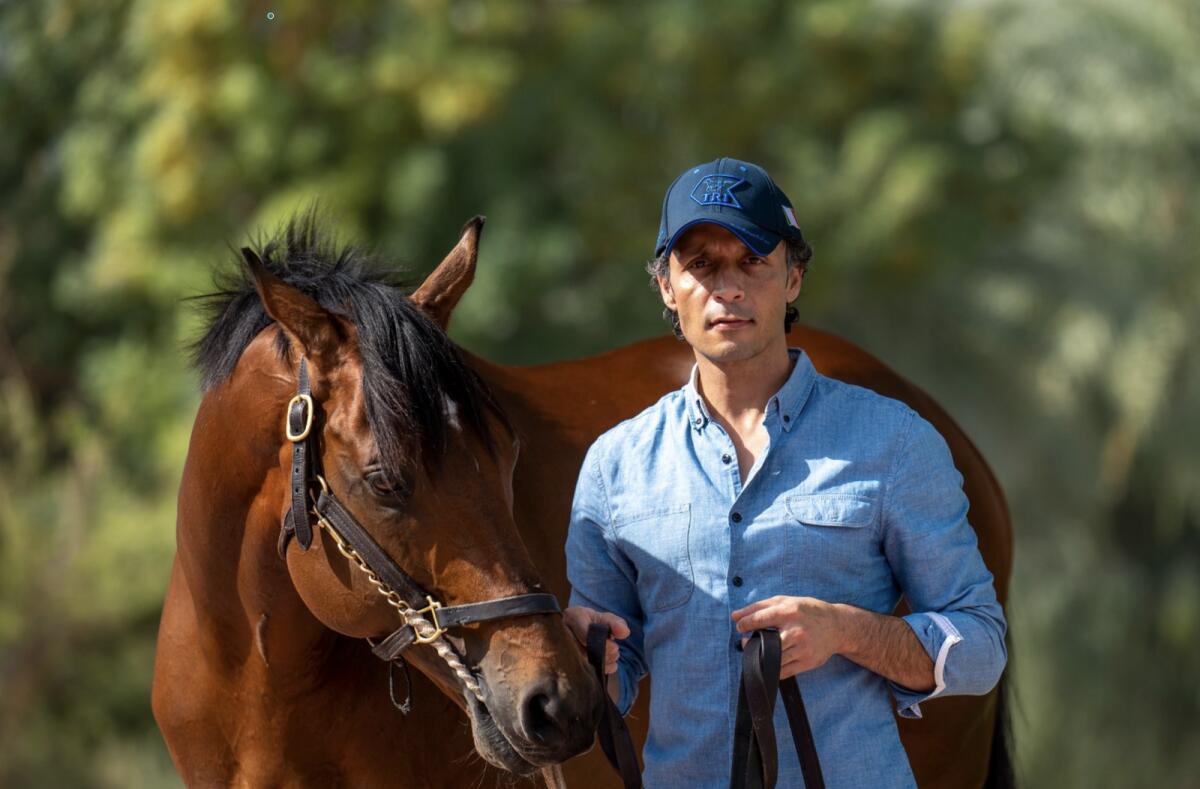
1002 195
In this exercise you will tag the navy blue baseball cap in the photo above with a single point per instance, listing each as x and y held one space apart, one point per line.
738 196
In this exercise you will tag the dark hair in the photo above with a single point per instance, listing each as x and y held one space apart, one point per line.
799 253
410 365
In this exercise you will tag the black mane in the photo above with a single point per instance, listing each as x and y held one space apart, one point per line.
410 366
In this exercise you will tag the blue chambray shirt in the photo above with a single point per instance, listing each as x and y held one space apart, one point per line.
855 500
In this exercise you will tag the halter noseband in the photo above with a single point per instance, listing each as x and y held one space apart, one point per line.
425 619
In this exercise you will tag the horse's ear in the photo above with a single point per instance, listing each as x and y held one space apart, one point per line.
308 325
442 289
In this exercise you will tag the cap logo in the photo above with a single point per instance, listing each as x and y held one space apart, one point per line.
717 190
791 217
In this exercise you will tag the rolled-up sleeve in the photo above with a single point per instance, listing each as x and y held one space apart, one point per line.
601 577
935 557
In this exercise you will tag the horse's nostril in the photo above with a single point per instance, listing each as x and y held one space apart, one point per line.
540 718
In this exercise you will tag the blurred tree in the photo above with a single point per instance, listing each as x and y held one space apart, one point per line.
1002 196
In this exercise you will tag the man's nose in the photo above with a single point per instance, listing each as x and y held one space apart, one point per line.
727 285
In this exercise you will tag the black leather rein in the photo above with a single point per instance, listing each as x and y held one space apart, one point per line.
403 593
755 756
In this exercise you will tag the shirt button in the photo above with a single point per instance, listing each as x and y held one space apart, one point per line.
787 418
737 517
698 421
726 458
737 580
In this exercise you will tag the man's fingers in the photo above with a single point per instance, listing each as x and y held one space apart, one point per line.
765 617
615 623
611 653
790 669
752 608
579 618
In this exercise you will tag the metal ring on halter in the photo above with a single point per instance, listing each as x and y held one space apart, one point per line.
438 630
315 495
307 402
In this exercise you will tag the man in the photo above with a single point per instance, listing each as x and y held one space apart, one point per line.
763 494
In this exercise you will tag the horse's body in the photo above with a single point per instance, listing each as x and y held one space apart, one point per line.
251 689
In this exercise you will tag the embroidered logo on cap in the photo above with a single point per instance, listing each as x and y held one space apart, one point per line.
717 190
791 218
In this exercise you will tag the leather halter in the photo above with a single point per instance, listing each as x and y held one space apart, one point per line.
402 592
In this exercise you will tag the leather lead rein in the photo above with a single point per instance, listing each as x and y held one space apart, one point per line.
755 756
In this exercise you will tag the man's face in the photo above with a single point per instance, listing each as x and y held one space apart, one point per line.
730 300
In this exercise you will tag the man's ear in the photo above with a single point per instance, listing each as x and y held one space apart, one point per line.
315 331
795 281
664 290
441 290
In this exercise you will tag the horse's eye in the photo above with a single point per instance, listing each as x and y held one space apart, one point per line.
383 487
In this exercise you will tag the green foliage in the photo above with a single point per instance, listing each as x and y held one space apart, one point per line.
1002 196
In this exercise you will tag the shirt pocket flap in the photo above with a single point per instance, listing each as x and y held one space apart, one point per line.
832 509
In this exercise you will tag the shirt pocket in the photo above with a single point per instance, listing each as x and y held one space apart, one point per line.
833 545
656 542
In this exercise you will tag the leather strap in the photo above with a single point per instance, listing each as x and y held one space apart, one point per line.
755 754
454 615
297 419
329 508
354 535
802 736
613 734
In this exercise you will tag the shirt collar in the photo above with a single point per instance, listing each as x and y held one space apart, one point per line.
785 404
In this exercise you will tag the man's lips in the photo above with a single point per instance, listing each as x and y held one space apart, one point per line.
730 323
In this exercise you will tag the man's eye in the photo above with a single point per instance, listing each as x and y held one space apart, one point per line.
698 263
754 260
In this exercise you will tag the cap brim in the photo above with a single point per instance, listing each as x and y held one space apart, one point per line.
761 241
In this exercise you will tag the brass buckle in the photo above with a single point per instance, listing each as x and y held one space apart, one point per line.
287 418
432 610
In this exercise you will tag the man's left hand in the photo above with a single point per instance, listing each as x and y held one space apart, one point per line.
809 629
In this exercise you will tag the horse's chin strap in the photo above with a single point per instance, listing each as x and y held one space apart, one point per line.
425 619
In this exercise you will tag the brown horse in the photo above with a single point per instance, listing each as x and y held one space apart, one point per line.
260 678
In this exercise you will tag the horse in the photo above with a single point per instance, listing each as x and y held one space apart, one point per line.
260 673
260 678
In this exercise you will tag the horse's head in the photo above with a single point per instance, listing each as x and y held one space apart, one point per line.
409 440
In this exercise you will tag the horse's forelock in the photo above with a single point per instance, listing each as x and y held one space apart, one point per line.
410 366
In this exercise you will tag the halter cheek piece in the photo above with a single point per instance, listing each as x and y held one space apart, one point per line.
425 619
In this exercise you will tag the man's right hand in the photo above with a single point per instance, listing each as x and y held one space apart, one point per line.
579 618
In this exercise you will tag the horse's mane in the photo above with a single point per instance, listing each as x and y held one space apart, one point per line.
410 366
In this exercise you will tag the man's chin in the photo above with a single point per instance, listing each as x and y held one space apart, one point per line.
724 347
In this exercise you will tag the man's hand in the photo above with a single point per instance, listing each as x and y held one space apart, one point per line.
578 619
810 630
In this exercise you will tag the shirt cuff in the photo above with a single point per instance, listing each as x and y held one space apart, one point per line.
938 635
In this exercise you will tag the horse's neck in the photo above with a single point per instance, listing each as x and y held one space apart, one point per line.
558 410
230 501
